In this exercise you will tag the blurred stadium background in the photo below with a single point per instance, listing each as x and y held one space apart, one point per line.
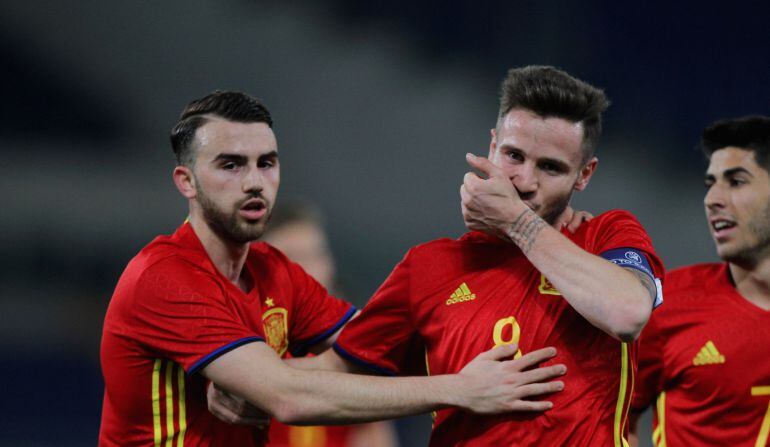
375 105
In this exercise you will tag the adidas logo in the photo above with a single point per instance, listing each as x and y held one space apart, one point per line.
462 294
708 355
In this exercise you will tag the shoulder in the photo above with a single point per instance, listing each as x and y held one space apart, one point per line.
697 276
613 218
268 259
465 245
613 229
157 273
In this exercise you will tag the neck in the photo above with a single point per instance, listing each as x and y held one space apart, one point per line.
752 280
228 257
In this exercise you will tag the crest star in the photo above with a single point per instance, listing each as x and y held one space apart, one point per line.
269 302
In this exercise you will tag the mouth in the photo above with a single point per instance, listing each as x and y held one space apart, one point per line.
253 209
721 227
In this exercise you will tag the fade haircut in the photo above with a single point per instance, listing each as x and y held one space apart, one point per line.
232 106
550 92
751 133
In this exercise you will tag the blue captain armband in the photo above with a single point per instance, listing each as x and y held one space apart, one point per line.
637 260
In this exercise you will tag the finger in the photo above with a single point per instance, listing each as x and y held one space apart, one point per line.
538 389
530 405
578 218
533 358
483 165
542 374
471 181
465 196
499 352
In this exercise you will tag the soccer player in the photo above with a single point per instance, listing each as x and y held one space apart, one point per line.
297 230
523 279
205 304
705 356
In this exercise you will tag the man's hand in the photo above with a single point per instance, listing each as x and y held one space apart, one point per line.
489 205
576 219
491 384
233 409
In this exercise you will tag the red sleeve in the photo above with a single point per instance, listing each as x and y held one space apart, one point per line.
180 312
383 337
620 229
317 315
649 381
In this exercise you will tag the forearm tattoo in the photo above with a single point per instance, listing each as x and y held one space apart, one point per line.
524 230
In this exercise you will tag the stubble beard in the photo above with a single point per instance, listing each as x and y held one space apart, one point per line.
230 226
552 215
759 227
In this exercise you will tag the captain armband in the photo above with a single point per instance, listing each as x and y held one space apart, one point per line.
637 260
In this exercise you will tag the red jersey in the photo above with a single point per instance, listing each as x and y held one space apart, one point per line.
172 313
705 355
449 300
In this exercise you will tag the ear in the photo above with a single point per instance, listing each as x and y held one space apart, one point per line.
492 143
585 174
185 181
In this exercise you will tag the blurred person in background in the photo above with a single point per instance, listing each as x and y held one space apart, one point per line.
704 358
296 229
208 304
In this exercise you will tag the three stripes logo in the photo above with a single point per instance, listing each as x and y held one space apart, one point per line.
708 355
462 294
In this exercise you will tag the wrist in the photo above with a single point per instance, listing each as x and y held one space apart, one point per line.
525 228
451 391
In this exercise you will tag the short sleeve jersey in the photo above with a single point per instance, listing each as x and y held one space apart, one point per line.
449 300
172 313
704 358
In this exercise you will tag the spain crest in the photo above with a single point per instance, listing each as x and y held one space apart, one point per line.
276 328
546 287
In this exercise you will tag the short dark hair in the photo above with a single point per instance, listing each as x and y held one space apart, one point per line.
550 92
232 106
749 132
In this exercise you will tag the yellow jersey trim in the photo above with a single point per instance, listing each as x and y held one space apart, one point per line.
659 434
620 440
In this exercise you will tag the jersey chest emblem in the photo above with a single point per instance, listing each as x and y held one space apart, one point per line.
708 355
546 288
461 295
275 324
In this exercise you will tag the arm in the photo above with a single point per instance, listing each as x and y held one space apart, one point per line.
486 385
619 304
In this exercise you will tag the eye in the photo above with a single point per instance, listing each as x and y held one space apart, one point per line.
229 166
550 167
515 156
267 163
737 182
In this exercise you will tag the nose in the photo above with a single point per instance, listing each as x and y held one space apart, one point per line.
525 181
252 181
715 197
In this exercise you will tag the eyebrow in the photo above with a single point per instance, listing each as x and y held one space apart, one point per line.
238 158
562 165
271 154
230 157
730 173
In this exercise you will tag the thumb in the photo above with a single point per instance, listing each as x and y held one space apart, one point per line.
483 165
503 352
